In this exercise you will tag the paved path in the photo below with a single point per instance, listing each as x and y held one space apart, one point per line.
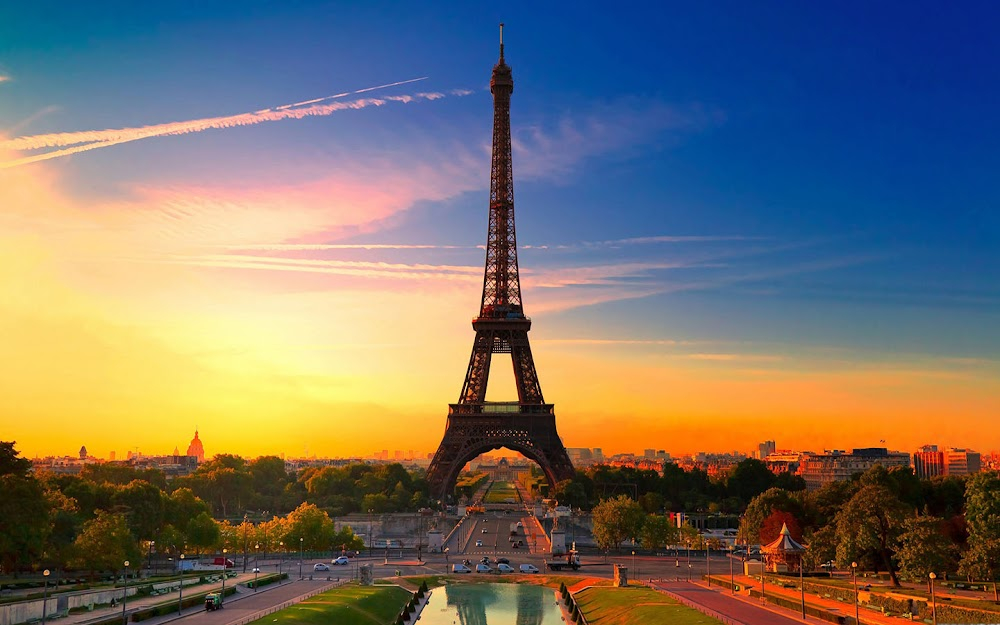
245 604
732 607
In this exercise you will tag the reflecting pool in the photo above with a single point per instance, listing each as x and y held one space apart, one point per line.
493 604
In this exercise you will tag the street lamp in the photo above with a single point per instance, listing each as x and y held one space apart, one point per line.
256 566
149 558
45 594
802 588
301 539
281 562
708 565
732 573
245 527
225 572
633 565
370 511
933 600
125 594
854 578
180 589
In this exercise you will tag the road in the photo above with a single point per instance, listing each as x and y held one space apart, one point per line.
248 603
738 609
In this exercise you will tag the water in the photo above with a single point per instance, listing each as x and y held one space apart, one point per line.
492 604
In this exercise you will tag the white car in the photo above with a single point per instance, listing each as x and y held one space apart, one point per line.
341 561
505 568
319 566
528 568
460 568
479 543
483 568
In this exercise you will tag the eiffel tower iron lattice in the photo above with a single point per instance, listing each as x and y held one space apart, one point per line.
475 426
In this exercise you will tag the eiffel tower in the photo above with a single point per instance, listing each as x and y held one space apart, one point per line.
527 425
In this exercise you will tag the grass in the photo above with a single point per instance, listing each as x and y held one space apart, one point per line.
635 605
346 605
500 492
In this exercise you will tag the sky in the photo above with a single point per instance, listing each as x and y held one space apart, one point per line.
265 220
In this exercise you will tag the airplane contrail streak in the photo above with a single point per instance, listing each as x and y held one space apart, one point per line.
95 139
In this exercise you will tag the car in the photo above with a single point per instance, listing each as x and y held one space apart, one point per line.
467 562
503 561
255 570
514 546
460 568
213 601
485 559
484 531
528 568
319 566
483 568
829 564
479 543
504 568
341 561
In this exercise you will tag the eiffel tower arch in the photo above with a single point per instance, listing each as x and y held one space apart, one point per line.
475 426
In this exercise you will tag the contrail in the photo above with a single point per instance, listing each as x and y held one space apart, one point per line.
95 139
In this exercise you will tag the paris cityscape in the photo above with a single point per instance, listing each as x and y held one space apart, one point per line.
742 365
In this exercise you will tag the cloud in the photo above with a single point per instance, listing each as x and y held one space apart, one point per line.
95 139
4 78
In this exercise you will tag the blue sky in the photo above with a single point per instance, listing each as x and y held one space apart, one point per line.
812 182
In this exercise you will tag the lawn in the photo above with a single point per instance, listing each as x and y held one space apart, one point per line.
635 605
500 492
346 605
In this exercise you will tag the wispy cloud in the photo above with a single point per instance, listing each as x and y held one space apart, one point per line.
95 139
4 78
319 247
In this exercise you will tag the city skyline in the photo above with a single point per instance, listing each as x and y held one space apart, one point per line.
735 224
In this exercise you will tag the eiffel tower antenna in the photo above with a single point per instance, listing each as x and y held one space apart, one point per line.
476 426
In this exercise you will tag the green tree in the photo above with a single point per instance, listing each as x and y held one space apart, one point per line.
312 525
761 507
748 479
616 520
10 461
982 513
923 548
105 542
24 521
821 546
658 532
142 505
203 533
870 524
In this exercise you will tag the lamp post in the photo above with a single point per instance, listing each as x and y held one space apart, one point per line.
370 532
802 588
708 565
854 579
256 566
933 600
632 576
245 526
301 540
763 572
45 594
732 573
180 589
281 562
225 572
149 559
125 594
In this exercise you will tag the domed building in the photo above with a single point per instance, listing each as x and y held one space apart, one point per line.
196 448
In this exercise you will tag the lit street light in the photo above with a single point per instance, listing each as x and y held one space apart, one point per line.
125 594
225 572
256 565
633 564
708 564
149 558
45 594
802 588
301 539
180 595
933 600
854 578
281 562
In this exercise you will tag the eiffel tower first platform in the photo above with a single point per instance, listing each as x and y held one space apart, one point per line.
475 426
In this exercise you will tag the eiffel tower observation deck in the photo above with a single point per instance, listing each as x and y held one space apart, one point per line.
475 425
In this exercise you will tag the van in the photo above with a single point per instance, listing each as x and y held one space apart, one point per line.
528 568
460 568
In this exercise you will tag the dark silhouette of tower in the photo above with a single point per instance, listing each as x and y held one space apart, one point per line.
474 425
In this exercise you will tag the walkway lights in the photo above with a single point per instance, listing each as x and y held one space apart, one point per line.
125 594
933 600
45 594
854 578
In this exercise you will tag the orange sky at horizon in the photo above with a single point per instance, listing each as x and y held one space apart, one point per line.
127 329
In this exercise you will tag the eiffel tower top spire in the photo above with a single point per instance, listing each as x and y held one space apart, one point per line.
501 282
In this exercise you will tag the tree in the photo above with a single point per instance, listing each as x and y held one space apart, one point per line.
652 502
24 521
106 542
821 546
616 520
203 533
982 514
658 531
761 507
142 504
10 461
870 524
311 524
923 548
748 479
770 529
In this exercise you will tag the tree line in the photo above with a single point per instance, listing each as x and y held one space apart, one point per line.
109 513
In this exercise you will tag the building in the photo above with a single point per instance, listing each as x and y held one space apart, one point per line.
196 449
783 461
765 449
961 462
928 462
649 453
834 465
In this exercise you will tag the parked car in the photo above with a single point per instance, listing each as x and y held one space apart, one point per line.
484 531
483 568
504 568
528 568
460 568
341 561
479 543
503 561
319 566
485 559
255 570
